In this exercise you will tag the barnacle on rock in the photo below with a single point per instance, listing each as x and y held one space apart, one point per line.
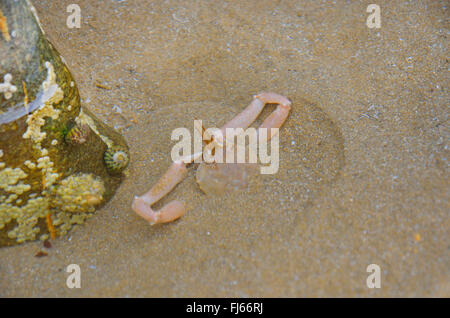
78 193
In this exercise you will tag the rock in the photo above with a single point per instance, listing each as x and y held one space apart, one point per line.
52 169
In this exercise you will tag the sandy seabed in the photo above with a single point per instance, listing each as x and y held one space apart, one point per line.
363 175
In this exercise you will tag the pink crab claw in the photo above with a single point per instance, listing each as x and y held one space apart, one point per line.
170 212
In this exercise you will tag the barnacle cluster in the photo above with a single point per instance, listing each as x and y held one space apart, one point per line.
75 199
7 88
26 216
54 95
72 199
78 193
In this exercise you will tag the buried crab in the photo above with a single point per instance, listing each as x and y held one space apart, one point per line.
173 210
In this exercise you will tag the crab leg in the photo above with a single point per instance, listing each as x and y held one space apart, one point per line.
249 115
173 210
276 119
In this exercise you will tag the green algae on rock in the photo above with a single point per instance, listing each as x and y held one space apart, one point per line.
53 172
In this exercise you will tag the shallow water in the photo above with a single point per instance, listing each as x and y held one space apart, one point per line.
363 174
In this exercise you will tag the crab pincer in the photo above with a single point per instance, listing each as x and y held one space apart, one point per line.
173 210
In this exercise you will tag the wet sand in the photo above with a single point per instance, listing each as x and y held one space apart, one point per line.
363 174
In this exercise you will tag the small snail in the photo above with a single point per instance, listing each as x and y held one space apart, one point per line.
116 159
